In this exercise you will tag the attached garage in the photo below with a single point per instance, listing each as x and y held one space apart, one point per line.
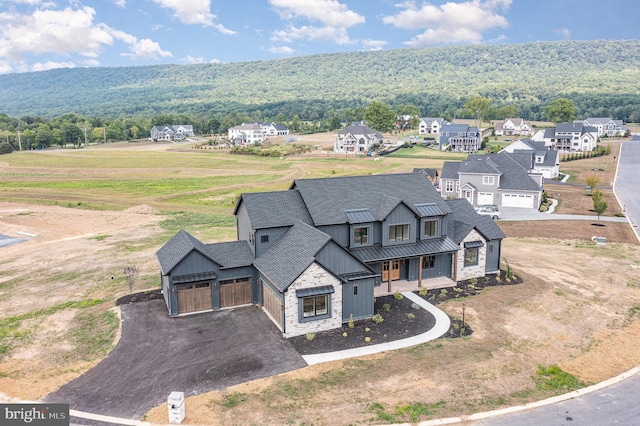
272 304
194 297
518 200
235 292
485 198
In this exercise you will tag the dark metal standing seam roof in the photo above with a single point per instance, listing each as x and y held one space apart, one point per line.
378 253
359 216
429 209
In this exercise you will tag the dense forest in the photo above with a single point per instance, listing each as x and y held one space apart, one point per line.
599 77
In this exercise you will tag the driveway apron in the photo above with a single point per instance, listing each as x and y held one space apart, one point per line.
193 354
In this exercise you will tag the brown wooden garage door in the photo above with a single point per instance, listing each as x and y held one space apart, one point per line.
194 297
235 292
272 304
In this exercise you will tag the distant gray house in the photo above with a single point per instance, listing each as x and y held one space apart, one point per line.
541 159
460 138
312 255
356 138
568 137
503 179
273 129
171 132
606 126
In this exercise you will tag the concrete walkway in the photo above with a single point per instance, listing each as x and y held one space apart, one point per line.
442 326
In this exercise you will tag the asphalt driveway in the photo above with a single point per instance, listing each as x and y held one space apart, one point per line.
193 354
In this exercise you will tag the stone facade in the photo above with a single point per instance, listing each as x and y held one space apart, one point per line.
313 276
478 271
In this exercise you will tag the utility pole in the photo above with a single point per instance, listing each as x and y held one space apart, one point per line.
85 135
104 132
19 141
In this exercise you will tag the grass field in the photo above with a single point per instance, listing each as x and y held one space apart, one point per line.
99 209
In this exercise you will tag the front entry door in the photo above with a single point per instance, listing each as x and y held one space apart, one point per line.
395 270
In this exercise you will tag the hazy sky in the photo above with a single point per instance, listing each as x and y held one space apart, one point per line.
38 35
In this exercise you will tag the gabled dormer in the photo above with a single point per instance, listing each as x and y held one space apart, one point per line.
432 224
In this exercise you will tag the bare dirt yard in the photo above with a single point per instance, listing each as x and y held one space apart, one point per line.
578 307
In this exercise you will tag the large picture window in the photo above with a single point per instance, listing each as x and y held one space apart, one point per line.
315 306
399 232
471 256
431 228
361 236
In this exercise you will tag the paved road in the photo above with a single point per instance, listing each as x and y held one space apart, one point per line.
614 405
626 183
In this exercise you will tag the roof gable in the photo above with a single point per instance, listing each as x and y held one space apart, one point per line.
274 209
177 248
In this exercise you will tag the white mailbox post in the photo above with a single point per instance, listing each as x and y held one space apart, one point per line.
175 402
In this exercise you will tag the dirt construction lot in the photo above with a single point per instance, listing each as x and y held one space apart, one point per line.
579 307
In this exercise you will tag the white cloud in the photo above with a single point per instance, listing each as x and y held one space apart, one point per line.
333 16
120 3
194 12
52 31
463 22
373 44
147 49
281 50
563 32
50 65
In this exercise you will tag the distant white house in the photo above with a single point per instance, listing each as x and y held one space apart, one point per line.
606 126
356 138
568 137
273 129
430 126
247 134
512 127
171 132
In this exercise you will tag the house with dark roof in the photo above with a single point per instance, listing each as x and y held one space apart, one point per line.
538 159
459 138
273 129
432 174
606 126
569 137
171 132
313 255
356 138
504 179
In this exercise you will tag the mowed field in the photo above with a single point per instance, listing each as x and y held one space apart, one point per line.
89 213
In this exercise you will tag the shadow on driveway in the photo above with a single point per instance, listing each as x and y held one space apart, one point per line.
158 354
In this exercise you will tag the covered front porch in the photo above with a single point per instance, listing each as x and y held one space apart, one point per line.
407 285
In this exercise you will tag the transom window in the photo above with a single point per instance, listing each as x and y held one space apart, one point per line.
488 180
399 232
428 262
361 235
431 228
471 256
315 306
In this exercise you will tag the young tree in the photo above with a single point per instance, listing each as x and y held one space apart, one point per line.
599 203
560 110
130 274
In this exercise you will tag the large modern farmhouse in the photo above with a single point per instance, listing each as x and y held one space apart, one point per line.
312 255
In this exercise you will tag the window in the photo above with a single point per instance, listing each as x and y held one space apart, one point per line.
399 232
431 228
355 290
264 238
471 256
251 237
488 180
315 306
361 236
449 186
428 262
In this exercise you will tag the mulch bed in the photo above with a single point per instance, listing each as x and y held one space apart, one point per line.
143 296
397 323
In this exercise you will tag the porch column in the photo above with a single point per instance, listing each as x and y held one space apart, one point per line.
389 277
455 266
420 271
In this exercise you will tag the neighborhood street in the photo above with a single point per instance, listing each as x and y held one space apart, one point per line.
626 185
